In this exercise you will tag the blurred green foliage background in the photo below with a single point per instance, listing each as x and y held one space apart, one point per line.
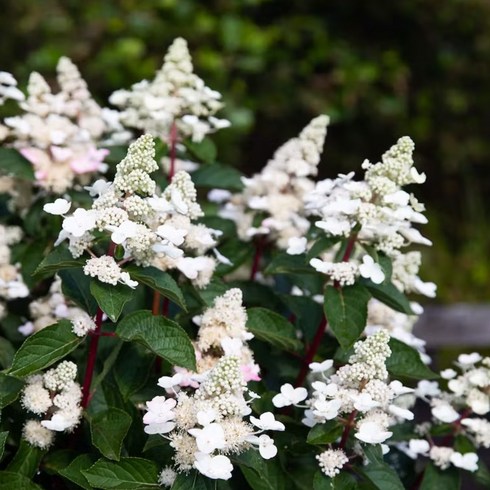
380 69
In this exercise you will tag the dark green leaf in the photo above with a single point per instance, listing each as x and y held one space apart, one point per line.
346 312
59 258
323 243
159 281
289 264
405 361
10 481
108 429
196 481
373 452
26 460
109 362
7 352
261 474
73 471
44 348
382 476
343 481
325 433
9 389
436 479
270 327
162 336
111 299
388 294
3 440
76 285
482 475
55 461
14 164
214 175
127 474
205 151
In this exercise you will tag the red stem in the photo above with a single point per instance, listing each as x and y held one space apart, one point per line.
347 429
259 248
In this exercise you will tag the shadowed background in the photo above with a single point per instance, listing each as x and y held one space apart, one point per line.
379 69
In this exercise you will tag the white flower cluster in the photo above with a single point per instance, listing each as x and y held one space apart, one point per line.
376 209
54 306
176 95
152 229
359 391
8 89
55 396
58 132
207 425
12 284
222 331
277 193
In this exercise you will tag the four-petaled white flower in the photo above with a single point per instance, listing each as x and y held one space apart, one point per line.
445 413
127 229
289 396
364 402
170 381
372 432
369 269
58 207
467 461
320 367
296 245
403 413
214 467
159 415
209 438
58 423
266 446
328 409
267 421
469 359
80 222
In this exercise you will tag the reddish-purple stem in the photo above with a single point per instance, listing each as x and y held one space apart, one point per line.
347 429
259 248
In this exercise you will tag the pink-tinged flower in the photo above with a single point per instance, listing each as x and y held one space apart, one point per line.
90 162
250 372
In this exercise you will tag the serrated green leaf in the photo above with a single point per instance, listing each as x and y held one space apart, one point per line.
7 352
9 389
127 474
406 361
205 151
270 327
111 299
346 312
108 430
382 476
44 348
325 433
261 474
133 360
162 336
10 480
73 471
225 177
388 294
26 460
14 164
76 285
289 264
59 258
3 440
159 281
436 479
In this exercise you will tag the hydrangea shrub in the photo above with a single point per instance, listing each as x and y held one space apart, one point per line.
166 321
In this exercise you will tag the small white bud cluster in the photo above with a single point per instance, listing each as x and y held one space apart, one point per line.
208 424
332 461
55 396
175 95
12 284
277 193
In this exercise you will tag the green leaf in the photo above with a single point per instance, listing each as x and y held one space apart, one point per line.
10 480
9 389
56 460
59 258
373 452
14 164
346 312
44 348
325 433
405 361
73 471
323 243
205 151
436 479
159 281
482 475
133 360
196 481
382 476
26 460
214 175
388 294
7 352
289 264
127 474
108 430
270 327
261 474
343 481
76 285
3 440
109 361
111 299
162 336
